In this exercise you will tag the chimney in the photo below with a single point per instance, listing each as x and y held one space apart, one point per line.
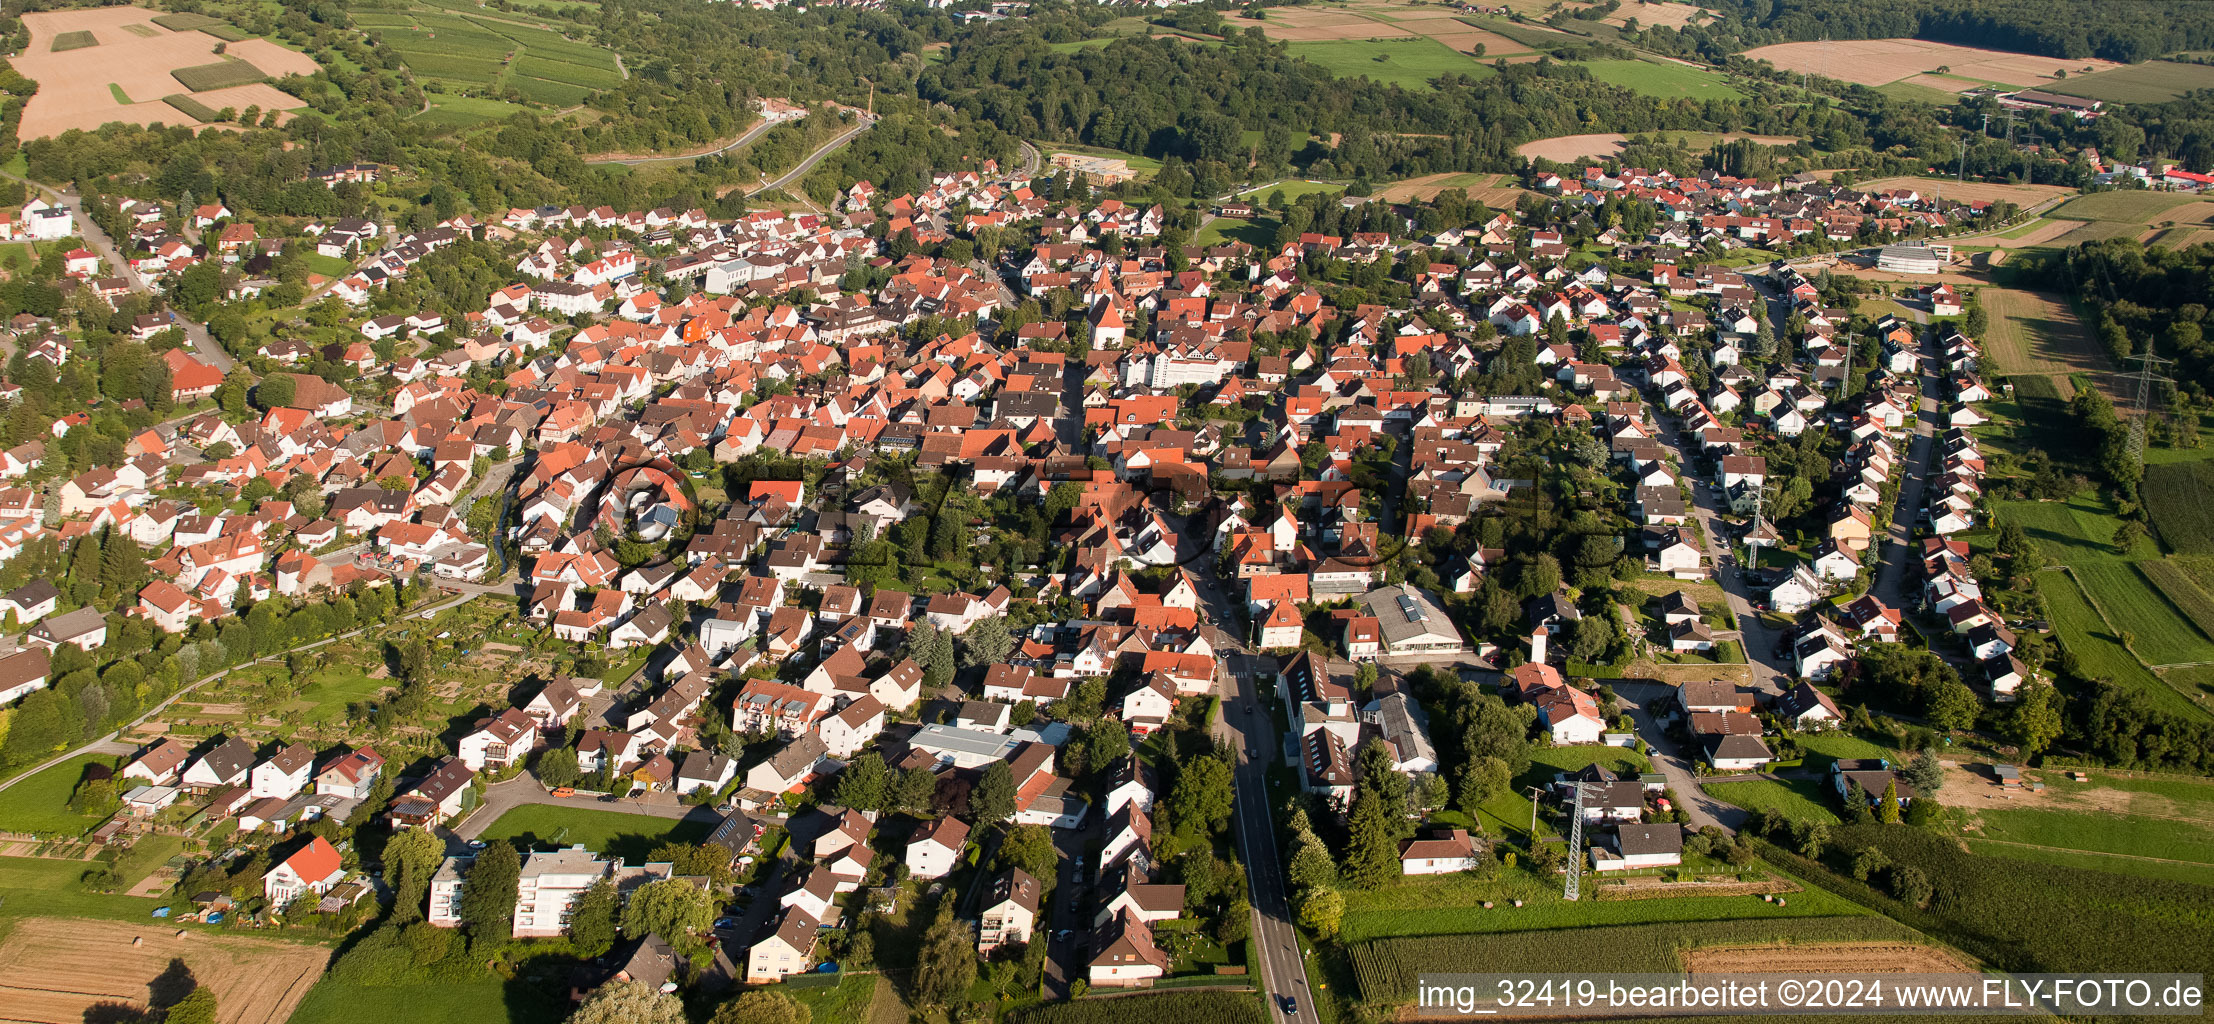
1537 646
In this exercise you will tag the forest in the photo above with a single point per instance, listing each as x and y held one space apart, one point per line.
2126 32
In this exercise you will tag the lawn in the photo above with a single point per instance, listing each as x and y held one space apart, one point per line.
630 836
1666 81
120 96
40 803
2102 832
2155 81
328 266
2082 632
2131 206
1838 745
2157 631
2180 498
1292 191
31 887
1408 63
467 1002
1797 799
466 112
1452 904
2193 873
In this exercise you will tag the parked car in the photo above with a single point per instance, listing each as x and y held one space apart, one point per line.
565 791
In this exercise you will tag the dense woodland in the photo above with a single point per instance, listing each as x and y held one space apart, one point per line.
2127 32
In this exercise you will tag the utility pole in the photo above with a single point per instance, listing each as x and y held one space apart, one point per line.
1570 891
2143 412
1534 791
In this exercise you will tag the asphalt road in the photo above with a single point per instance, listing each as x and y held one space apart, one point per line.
202 344
750 135
1245 726
1767 673
1898 540
817 156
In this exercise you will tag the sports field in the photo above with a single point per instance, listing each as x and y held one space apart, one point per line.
2155 81
1876 62
2126 206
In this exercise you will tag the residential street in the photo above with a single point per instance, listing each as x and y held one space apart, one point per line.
1898 540
1673 759
1246 727
202 344
1767 673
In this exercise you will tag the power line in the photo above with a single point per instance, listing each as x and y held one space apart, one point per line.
2143 409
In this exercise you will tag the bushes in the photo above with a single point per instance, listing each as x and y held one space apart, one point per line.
1166 1008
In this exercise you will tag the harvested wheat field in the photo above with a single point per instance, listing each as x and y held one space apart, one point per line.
52 970
1600 146
1653 13
1494 190
1294 25
1884 61
78 88
1838 958
1969 191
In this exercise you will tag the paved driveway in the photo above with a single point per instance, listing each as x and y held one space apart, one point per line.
1646 702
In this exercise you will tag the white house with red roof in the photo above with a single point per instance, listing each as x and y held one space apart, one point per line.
313 868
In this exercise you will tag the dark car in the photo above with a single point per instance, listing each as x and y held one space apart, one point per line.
1291 1006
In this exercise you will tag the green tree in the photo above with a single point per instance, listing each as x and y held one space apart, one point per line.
1029 847
488 893
866 784
629 1002
673 908
276 391
762 1006
558 767
945 964
918 789
2035 720
197 1007
1322 911
1479 779
1202 798
592 921
993 799
986 643
1109 743
410 859
1951 704
1371 849
1887 809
